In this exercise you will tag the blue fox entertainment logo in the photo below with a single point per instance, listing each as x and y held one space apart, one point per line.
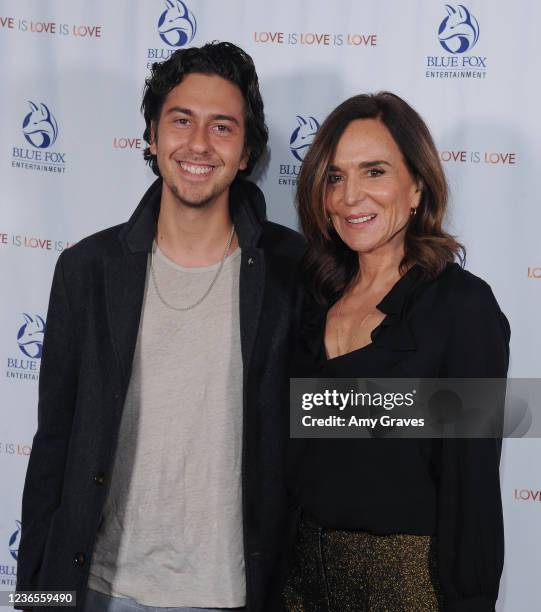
30 336
302 136
40 127
459 31
177 25
14 541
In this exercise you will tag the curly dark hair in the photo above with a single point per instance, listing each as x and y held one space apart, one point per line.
331 266
223 59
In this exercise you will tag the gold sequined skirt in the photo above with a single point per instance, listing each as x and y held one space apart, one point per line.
341 571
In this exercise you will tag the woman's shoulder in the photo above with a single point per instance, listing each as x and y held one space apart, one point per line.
469 299
464 289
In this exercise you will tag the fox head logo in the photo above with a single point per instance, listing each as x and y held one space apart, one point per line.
14 541
302 136
459 31
40 127
177 25
30 336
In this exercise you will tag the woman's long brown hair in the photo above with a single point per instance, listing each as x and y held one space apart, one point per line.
330 265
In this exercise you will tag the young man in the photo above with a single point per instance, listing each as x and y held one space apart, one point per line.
156 473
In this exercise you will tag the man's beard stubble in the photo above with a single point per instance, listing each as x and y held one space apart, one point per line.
191 204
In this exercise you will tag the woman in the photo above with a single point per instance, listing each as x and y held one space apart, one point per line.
391 524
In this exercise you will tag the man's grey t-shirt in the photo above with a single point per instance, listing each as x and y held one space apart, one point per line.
172 527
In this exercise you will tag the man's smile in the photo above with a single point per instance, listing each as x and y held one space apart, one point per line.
195 169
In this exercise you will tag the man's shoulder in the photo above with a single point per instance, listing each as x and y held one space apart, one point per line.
282 241
104 243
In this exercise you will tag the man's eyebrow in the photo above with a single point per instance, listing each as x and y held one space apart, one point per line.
225 118
190 113
178 109
363 165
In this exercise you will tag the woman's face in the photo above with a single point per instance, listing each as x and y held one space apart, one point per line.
370 191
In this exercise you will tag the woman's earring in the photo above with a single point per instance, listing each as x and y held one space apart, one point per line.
413 211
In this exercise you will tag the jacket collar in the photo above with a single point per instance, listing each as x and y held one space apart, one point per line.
393 333
246 204
393 303
398 335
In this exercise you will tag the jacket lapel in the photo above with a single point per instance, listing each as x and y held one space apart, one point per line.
247 208
125 279
251 292
395 333
125 286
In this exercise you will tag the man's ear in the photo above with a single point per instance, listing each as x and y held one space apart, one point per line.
244 160
153 138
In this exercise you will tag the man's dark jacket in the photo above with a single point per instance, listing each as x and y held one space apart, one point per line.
91 332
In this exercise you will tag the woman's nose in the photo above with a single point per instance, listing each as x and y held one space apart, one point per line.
354 191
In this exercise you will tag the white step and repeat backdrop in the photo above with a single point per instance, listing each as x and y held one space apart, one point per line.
71 163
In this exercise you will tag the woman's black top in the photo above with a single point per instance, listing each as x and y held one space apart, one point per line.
450 327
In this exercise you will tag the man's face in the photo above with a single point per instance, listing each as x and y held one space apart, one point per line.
199 140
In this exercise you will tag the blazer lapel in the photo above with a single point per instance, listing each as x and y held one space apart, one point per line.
251 291
247 208
125 280
125 286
